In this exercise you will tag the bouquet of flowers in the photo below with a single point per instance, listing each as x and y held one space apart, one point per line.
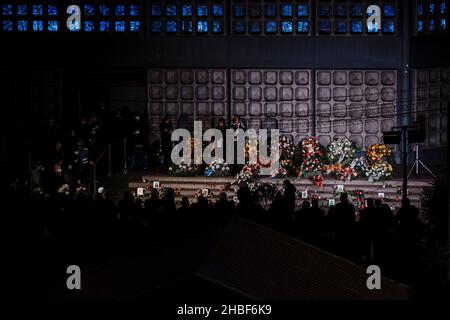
218 168
287 148
183 169
378 152
247 175
341 151
310 148
312 164
378 170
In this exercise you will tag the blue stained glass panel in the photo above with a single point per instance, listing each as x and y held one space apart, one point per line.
104 10
202 10
324 10
389 10
171 10
254 27
135 26
254 11
52 26
217 10
239 26
443 24
119 26
171 26
431 26
357 10
104 26
22 25
7 9
303 26
89 26
7 25
217 26
202 26
340 27
156 10
52 10
357 27
340 10
388 27
287 10
135 10
156 26
37 10
22 9
324 26
38 25
270 10
271 26
303 10
443 8
89 9
120 10
431 8
186 10
186 26
239 10
419 9
287 26
419 26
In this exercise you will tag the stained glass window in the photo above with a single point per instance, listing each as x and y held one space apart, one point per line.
104 10
217 10
357 10
22 10
287 10
239 26
37 10
104 26
171 26
357 27
388 26
202 11
443 24
239 10
135 26
340 10
171 10
38 25
7 10
270 10
431 16
254 11
340 27
303 26
389 10
420 9
22 25
202 26
186 26
217 27
89 26
303 10
431 25
135 10
156 26
419 26
254 27
324 26
443 8
119 26
271 26
287 26
52 26
186 10
324 11
7 25
120 10
431 8
89 9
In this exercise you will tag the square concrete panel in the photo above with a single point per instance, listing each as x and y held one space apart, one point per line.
324 77
156 108
156 76
324 110
255 93
434 93
254 123
355 126
371 110
422 76
369 140
270 77
218 93
340 94
172 108
324 126
270 109
202 108
339 126
239 77
371 126
286 126
340 78
302 125
187 108
202 76
254 77
301 94
372 78
302 109
239 93
302 77
388 78
387 124
270 93
202 93
187 77
240 108
270 123
218 108
434 75
171 76
286 109
387 110
171 93
339 110
187 93
355 77
324 140
286 93
255 109
324 94
388 94
286 77
358 140
218 77
156 93
355 94
371 94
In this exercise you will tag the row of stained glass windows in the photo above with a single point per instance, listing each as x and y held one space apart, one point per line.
432 17
186 10
355 11
271 26
354 27
186 26
270 10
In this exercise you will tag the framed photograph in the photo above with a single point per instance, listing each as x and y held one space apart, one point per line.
205 192
340 188
156 185
140 192
331 202
305 194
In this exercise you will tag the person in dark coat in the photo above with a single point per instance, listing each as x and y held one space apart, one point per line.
166 140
